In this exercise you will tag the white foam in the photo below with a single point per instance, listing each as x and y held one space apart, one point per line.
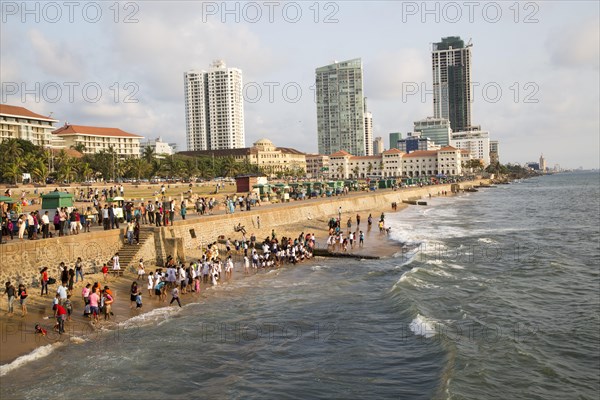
422 326
486 240
151 317
439 272
36 354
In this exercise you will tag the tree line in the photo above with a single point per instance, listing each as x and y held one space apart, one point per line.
21 156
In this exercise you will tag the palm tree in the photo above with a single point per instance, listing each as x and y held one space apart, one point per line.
355 172
229 166
138 167
340 169
67 170
149 154
172 166
12 149
80 147
85 171
13 170
369 168
40 171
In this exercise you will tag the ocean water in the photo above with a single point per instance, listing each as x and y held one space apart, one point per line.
491 295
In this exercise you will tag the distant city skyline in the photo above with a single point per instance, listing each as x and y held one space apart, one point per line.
535 72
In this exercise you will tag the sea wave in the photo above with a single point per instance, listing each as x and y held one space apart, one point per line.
150 318
36 354
423 326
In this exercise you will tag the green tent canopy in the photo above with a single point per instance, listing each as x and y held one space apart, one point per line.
6 199
54 200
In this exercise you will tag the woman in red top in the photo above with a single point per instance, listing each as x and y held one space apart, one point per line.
44 280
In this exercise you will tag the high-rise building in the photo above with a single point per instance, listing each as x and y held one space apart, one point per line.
542 163
451 62
378 146
368 130
436 129
340 109
214 108
494 157
394 137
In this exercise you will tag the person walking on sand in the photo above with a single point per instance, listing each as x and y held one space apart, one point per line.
150 283
133 293
369 222
116 264
23 299
105 272
357 221
258 221
94 303
361 239
141 270
175 296
78 269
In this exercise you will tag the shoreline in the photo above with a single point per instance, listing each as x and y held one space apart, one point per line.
20 344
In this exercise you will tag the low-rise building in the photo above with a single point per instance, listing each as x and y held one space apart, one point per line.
477 142
344 165
21 123
415 141
92 139
159 147
317 165
268 157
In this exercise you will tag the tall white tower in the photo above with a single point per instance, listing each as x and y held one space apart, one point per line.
214 108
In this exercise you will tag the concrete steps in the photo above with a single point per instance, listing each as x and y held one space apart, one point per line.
128 253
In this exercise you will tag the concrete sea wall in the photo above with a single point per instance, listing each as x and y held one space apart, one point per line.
21 261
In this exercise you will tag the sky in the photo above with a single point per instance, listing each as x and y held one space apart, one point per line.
535 65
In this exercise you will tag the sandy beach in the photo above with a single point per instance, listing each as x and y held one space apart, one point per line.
19 338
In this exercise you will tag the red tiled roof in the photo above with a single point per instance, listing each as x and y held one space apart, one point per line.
340 153
365 158
448 148
422 153
16 111
392 151
289 150
93 131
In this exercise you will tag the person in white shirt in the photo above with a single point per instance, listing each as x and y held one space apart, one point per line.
45 225
150 283
246 265
116 265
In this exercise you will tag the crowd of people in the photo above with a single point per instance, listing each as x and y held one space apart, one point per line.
175 278
338 240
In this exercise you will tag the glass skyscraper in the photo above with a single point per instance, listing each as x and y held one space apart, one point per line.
340 108
451 64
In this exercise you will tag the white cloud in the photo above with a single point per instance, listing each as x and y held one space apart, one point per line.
56 58
576 45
